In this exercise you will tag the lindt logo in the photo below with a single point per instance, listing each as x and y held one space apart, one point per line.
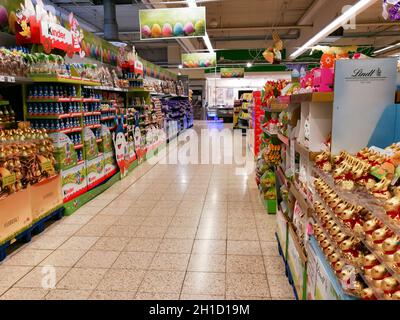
360 73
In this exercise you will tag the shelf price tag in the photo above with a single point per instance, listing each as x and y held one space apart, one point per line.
2 78
46 166
11 79
8 180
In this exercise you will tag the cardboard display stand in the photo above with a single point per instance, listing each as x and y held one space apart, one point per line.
15 214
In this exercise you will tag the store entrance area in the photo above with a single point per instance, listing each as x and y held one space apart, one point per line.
167 231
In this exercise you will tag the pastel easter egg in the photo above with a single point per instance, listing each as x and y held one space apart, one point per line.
189 28
199 27
207 63
202 64
186 64
178 29
167 30
156 30
196 64
3 16
146 32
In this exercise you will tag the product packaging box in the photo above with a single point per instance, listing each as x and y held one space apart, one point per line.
46 196
64 152
322 282
95 171
131 156
74 182
15 214
297 262
282 231
90 142
110 166
106 144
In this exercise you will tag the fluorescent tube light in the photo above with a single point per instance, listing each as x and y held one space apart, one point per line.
387 48
338 22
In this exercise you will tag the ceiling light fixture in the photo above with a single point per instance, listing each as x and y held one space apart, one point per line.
338 22
387 48
249 64
191 3
206 39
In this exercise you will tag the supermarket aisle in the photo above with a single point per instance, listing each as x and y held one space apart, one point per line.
165 232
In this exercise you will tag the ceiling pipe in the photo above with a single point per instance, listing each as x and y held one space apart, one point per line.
110 21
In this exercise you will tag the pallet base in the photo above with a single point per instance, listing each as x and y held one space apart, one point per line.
26 235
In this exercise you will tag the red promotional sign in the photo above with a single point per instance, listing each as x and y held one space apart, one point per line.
47 31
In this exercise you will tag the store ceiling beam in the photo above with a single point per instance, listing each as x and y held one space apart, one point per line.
308 16
59 6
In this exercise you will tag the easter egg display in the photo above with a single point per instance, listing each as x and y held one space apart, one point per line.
172 23
199 60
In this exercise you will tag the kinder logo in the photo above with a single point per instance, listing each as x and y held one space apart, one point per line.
57 33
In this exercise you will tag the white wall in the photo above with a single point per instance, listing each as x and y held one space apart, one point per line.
225 91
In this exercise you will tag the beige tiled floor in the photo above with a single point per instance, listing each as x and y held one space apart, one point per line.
165 232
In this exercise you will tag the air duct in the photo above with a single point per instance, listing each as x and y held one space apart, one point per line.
110 21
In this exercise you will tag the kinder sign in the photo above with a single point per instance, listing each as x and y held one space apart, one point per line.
139 70
36 25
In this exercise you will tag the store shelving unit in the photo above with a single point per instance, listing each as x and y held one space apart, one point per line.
313 128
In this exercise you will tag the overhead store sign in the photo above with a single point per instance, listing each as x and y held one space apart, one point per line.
172 23
199 60
41 24
35 24
232 73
